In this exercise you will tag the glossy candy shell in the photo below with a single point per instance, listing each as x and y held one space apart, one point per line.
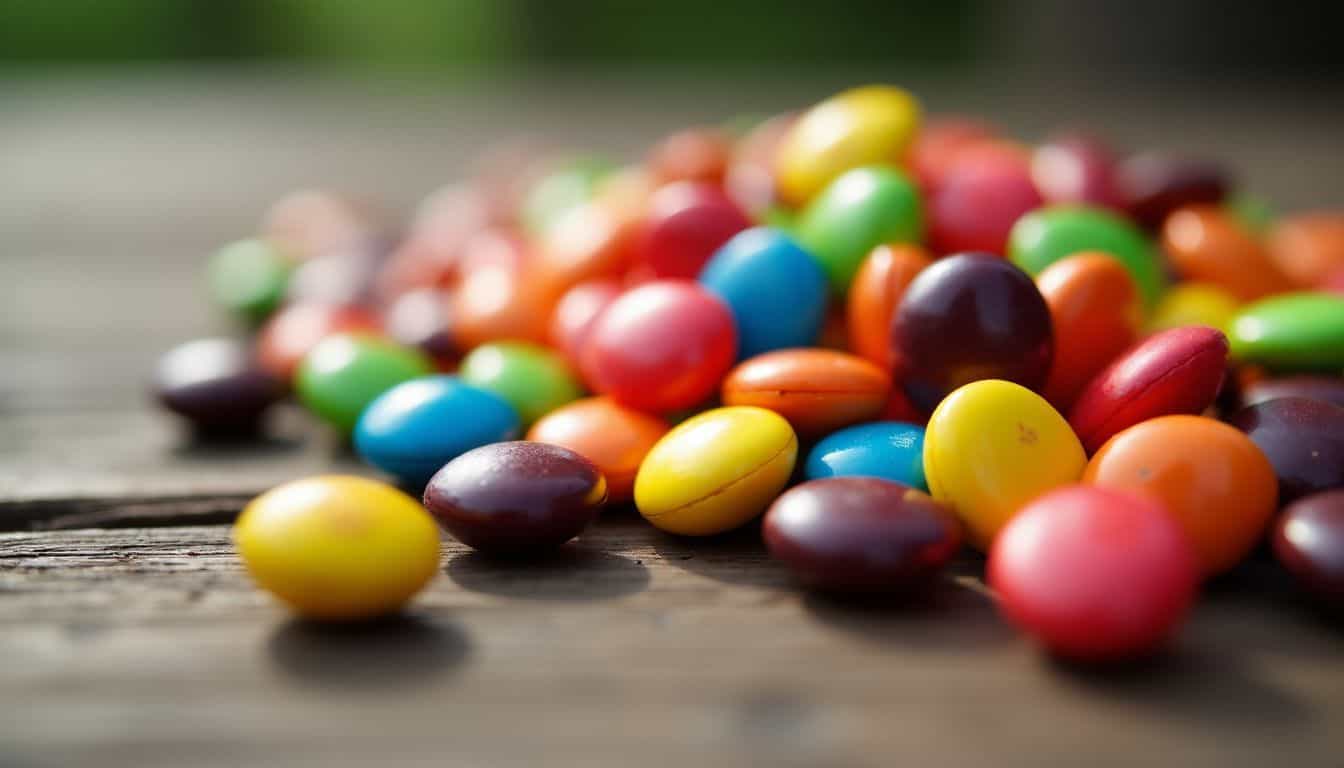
1175 371
1309 541
1329 389
816 390
216 385
1303 439
686 223
1049 234
416 427
533 379
1215 482
249 278
661 347
890 450
860 534
516 498
991 447
338 548
716 471
616 439
877 290
1094 574
344 373
1295 331
1206 244
857 212
775 289
968 317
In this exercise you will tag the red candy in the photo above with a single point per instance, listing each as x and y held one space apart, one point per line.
977 202
575 312
1172 372
663 346
686 224
1094 574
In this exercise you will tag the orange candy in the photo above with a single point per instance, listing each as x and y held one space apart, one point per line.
1217 484
587 242
616 439
1309 248
1096 311
1206 244
877 289
817 390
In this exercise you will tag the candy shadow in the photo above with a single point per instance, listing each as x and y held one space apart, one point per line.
1189 683
394 653
213 446
953 611
573 573
736 557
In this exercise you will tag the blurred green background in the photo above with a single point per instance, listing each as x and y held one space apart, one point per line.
1183 39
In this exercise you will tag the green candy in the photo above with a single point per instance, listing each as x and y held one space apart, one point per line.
1291 331
1044 236
345 372
557 192
533 379
779 217
858 211
249 278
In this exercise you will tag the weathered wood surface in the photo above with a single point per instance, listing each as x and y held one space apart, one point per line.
150 648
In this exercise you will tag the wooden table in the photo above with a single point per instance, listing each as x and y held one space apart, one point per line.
130 636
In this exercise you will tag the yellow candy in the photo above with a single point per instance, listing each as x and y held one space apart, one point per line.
862 126
1194 304
336 547
716 470
992 446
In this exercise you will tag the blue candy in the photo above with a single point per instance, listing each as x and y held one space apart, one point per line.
891 450
776 290
416 427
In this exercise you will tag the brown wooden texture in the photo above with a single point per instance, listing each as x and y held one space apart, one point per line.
148 647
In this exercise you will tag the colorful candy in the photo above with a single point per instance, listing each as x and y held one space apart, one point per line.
661 347
1049 234
716 471
816 390
292 332
874 295
862 126
1095 311
775 290
249 278
516 498
1309 248
1215 482
1175 371
976 204
414 428
890 450
574 315
423 319
533 379
345 372
860 534
1329 389
968 317
216 385
1194 304
1076 169
1094 574
992 446
854 214
1302 438
1309 541
1291 332
1155 184
614 438
1207 244
338 548
686 223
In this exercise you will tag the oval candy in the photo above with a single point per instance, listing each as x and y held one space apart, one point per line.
716 470
1049 234
816 390
616 439
1292 331
344 373
1303 439
890 450
1309 541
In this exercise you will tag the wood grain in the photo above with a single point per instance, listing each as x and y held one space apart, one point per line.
150 648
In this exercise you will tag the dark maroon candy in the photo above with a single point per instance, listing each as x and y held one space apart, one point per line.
1303 439
860 534
216 385
1327 388
968 317
422 319
516 497
1154 185
1309 541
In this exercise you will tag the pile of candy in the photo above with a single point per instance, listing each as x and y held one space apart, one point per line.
1109 374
